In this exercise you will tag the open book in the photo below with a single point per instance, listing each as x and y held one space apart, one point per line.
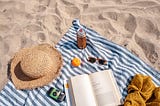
96 89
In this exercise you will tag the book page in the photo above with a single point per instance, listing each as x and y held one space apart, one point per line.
82 91
105 88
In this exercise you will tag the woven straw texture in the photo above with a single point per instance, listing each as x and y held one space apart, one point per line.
35 66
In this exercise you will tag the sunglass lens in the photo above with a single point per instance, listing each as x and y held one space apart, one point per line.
102 62
91 59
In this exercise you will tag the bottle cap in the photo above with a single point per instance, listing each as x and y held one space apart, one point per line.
80 32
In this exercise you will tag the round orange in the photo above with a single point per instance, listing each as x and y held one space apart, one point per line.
76 62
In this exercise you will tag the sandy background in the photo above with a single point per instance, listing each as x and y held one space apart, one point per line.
134 24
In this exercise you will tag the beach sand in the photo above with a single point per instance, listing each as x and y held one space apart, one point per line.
133 24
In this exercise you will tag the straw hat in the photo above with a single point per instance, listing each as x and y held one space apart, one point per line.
35 66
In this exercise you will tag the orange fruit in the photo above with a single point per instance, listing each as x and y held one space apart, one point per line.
76 62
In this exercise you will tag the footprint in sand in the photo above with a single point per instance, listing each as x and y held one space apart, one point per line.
147 26
130 23
41 37
148 49
94 18
52 23
124 22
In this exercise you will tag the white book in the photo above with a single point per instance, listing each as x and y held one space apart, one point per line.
96 89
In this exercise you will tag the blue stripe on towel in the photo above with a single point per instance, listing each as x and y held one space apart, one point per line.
124 65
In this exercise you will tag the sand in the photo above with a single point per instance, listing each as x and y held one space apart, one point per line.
134 24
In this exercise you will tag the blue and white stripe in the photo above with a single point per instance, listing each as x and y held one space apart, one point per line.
124 65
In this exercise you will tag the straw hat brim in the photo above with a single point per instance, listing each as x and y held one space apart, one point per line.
21 81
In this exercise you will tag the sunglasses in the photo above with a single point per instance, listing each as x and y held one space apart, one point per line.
100 61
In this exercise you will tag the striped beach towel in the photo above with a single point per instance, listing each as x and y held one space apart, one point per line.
123 64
